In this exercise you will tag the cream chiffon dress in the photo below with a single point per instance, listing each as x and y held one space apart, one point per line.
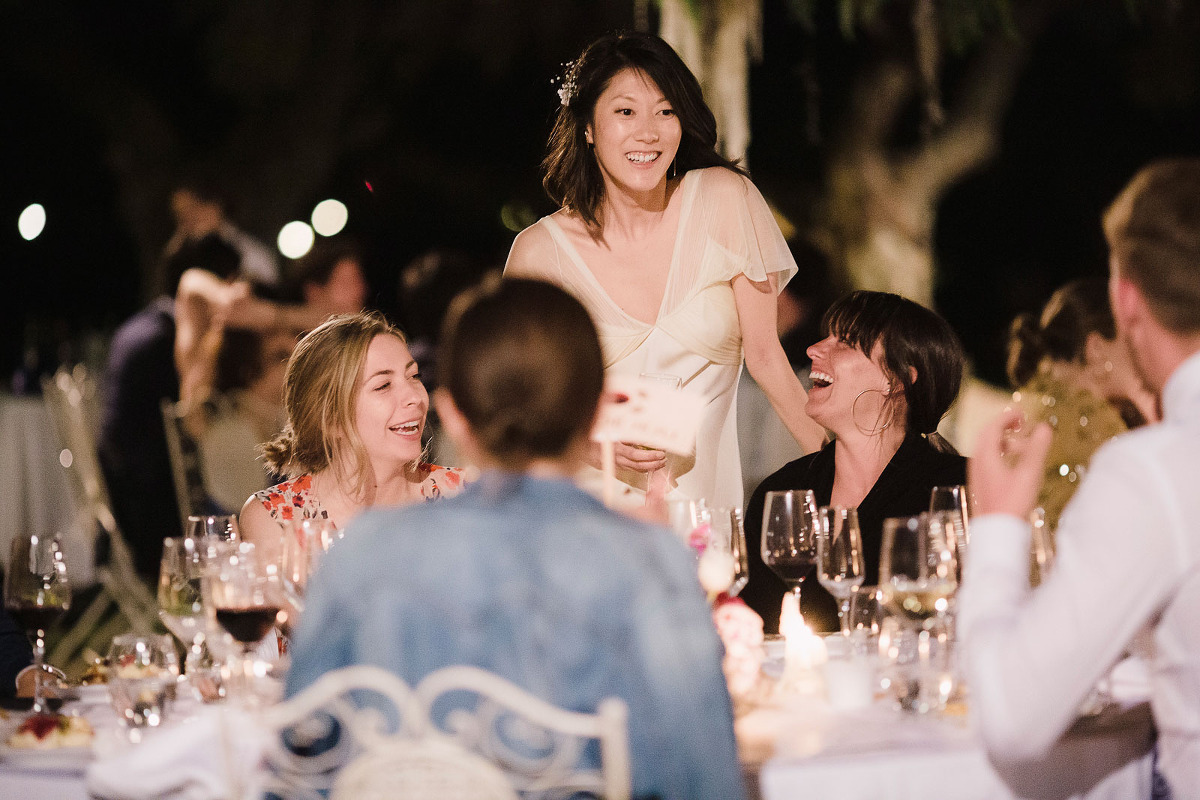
725 229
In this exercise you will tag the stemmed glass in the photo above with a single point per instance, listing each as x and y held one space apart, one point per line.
725 545
181 594
36 593
246 600
839 558
955 501
918 576
221 526
144 668
789 536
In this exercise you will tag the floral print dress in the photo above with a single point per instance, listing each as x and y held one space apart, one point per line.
295 499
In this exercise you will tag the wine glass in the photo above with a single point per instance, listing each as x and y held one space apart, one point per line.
657 481
36 593
221 526
246 600
956 501
918 566
1042 543
839 558
789 536
143 670
181 594
918 576
726 541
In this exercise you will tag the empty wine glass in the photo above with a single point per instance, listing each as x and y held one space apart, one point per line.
36 593
726 539
222 526
181 594
956 501
789 536
839 557
142 673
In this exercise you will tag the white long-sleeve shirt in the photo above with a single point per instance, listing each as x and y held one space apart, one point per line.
1125 577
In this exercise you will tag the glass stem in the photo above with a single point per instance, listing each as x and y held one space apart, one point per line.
844 615
39 660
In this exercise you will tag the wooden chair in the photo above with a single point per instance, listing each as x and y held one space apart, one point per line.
70 398
361 732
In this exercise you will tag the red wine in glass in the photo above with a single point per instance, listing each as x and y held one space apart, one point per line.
34 618
248 625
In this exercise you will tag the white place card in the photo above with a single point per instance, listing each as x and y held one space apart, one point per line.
644 411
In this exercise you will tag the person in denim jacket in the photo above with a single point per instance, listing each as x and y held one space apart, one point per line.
524 574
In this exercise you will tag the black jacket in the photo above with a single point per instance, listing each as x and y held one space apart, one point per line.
902 489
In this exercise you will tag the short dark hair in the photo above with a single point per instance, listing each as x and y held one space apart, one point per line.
913 338
210 252
1153 231
522 361
1074 311
570 173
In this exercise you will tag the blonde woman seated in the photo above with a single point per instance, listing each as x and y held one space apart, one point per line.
356 411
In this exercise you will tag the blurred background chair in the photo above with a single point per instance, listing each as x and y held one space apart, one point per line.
70 398
361 732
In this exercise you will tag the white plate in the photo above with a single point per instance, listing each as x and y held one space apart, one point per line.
58 759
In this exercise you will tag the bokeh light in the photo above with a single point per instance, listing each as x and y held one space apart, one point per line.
32 221
295 239
329 217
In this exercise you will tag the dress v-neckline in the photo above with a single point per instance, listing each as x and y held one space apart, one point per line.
686 187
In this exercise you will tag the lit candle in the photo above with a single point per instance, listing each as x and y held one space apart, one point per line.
803 650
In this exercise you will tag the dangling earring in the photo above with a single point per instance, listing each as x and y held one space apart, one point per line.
671 172
876 429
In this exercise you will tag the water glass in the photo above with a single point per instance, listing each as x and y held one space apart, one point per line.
839 557
220 526
142 675
727 535
955 500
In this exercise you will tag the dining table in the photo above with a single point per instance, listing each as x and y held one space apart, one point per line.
795 747
801 747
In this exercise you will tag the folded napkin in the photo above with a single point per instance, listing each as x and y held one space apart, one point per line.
212 756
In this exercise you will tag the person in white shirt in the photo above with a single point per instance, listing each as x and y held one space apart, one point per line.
1125 577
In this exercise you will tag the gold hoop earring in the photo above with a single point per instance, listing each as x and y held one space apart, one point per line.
876 429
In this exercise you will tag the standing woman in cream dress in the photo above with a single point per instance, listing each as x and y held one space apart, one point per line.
670 247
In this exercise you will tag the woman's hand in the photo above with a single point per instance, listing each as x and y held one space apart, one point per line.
628 456
1005 471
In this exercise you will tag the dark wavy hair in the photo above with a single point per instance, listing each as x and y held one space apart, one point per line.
1075 310
920 350
521 360
570 173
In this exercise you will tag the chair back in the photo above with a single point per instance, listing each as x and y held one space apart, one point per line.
70 396
463 732
186 470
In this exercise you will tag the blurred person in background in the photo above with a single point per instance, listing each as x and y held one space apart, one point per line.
167 351
883 377
199 209
1070 371
524 574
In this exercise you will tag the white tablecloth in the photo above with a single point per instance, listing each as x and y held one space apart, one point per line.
881 754
35 490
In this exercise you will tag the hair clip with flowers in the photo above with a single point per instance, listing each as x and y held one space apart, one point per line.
567 86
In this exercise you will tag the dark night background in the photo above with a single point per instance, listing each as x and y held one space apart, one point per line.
457 125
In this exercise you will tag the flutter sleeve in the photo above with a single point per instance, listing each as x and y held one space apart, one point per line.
740 234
